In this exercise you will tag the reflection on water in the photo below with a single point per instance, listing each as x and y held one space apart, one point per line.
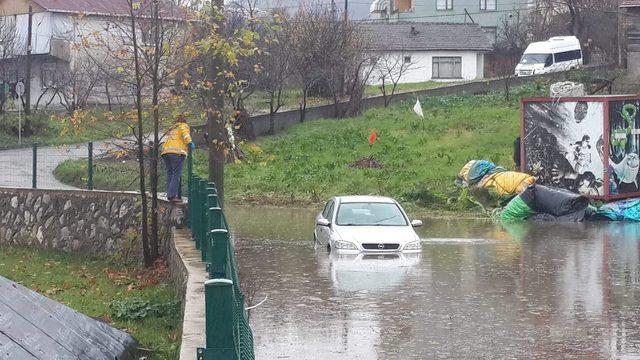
477 291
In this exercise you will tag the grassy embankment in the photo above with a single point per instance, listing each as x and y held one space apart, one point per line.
137 301
310 162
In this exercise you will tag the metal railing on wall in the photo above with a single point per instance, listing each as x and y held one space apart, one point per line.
228 334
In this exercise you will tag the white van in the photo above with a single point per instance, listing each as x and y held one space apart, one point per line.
559 53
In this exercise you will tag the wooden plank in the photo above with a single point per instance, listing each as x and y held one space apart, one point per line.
30 337
11 350
91 337
53 328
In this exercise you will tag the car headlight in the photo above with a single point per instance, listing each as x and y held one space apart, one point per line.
415 245
344 245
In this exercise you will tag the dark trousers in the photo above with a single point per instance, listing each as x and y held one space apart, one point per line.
173 163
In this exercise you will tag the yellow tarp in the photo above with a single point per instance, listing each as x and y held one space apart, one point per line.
464 173
507 182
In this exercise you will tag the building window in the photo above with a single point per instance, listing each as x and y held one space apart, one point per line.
48 74
488 5
447 67
444 4
404 5
568 56
407 59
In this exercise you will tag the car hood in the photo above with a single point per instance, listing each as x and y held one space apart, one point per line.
377 234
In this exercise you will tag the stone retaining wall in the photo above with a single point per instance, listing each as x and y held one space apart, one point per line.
91 222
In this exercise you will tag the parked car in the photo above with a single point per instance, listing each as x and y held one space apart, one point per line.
559 53
353 224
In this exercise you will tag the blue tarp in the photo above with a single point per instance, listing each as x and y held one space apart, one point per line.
621 210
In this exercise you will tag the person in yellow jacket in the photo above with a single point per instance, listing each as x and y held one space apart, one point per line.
173 152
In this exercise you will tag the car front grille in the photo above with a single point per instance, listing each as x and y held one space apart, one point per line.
381 246
381 257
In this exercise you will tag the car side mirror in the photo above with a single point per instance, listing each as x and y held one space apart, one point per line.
416 223
323 222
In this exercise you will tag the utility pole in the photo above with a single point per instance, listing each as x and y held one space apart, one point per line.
27 81
346 11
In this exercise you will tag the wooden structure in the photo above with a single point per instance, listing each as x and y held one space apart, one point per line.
33 326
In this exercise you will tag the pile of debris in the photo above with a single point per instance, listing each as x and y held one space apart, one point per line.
527 200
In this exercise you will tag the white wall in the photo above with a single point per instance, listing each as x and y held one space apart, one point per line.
422 66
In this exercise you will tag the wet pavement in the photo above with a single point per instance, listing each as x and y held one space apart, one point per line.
477 291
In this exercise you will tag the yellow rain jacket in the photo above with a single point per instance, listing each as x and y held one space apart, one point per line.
178 139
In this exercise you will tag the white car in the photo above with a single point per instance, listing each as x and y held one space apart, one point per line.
353 224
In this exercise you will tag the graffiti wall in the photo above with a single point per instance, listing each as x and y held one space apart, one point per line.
563 144
624 147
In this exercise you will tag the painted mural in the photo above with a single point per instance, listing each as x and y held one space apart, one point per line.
624 146
563 144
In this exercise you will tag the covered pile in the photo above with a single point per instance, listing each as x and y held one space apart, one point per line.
487 175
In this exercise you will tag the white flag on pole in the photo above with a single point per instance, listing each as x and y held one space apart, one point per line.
418 109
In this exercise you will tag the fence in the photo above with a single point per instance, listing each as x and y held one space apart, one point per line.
34 167
101 165
228 335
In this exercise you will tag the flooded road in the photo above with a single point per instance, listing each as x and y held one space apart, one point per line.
477 291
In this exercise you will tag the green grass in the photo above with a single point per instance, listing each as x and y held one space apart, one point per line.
374 90
93 287
310 162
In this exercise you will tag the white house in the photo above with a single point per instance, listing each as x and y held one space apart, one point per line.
427 51
59 29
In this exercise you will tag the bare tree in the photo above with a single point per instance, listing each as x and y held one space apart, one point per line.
275 65
9 48
324 49
388 70
142 52
74 85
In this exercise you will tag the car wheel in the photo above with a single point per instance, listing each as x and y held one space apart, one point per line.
315 238
328 248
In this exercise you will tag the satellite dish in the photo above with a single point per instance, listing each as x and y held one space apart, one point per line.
20 88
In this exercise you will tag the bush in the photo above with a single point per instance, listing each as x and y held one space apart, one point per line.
137 308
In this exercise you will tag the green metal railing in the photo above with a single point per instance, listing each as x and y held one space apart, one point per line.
228 334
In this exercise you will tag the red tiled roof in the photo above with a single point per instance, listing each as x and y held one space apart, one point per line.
630 3
105 7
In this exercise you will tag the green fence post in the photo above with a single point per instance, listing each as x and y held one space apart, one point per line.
189 188
213 223
90 167
34 176
192 204
218 255
202 214
219 328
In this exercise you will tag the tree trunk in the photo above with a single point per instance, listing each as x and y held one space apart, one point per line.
303 105
156 132
214 105
148 261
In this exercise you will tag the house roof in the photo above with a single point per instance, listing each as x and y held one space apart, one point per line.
630 3
419 36
106 7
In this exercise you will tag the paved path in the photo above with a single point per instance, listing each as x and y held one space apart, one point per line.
16 165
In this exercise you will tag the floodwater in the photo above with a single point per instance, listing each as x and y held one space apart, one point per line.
477 291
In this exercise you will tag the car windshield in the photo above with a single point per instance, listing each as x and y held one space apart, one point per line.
536 59
370 214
